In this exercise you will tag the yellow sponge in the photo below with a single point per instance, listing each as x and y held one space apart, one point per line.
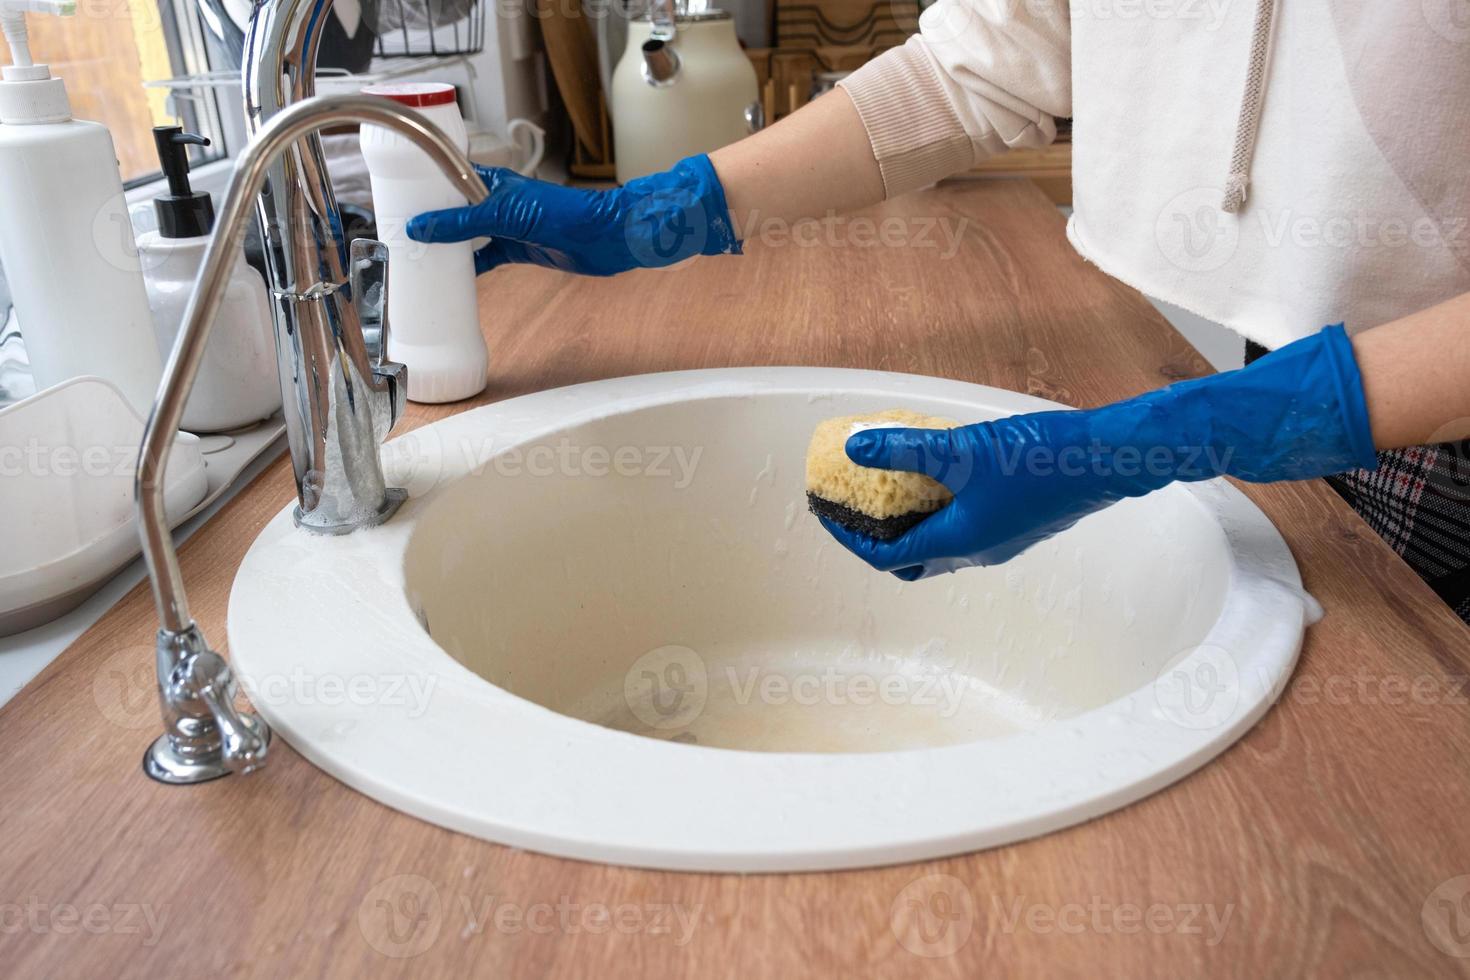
877 502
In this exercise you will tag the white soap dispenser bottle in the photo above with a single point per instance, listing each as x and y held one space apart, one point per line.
237 383
65 239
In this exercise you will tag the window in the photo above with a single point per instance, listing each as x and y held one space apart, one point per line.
105 53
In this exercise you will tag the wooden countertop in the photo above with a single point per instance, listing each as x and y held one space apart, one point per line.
1316 844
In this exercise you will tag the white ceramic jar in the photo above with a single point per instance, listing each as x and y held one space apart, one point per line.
433 316
700 108
237 384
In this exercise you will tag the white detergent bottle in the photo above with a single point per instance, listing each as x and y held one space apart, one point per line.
433 319
65 239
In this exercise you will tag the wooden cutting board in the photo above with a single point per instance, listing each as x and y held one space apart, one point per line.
572 51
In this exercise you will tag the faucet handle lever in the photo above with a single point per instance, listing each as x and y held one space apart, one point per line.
244 742
369 283
205 735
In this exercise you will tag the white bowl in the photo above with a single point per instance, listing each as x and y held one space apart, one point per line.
68 456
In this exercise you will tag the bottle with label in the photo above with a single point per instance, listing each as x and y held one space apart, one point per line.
65 238
433 318
237 383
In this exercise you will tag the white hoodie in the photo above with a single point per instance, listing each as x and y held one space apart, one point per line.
1358 194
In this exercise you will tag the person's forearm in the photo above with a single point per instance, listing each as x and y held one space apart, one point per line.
1416 376
813 162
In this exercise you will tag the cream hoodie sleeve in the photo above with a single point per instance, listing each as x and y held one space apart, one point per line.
980 77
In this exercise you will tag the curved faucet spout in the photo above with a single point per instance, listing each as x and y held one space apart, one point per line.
279 135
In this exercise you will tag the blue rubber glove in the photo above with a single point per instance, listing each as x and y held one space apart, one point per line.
647 223
1295 414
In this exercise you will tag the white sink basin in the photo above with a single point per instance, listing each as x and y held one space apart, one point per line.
604 626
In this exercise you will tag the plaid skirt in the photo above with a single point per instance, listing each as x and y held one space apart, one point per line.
1418 500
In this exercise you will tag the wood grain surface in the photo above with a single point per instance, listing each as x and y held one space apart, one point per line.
1330 840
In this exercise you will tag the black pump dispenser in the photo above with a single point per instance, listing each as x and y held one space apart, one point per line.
183 212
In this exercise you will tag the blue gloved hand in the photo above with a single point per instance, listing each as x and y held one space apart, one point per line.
647 223
1295 414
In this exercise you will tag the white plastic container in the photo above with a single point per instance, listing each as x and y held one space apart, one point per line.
433 318
65 238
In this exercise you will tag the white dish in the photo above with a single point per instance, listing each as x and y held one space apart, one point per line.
69 455
658 660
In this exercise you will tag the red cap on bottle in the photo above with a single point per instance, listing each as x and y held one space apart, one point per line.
416 94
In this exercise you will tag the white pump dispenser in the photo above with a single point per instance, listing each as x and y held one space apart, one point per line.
32 95
66 241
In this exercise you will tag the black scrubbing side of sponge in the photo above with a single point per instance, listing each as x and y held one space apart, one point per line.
884 528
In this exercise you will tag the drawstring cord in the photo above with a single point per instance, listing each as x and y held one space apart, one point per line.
1250 110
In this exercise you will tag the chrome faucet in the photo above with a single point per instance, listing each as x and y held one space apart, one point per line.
341 397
